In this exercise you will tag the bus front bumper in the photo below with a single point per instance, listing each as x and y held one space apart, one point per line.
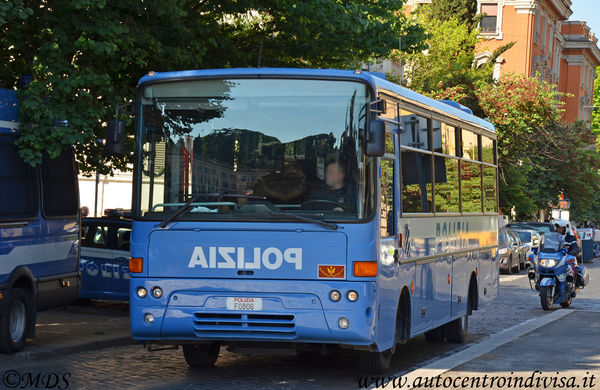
283 311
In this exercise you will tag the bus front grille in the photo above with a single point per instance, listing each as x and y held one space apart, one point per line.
249 326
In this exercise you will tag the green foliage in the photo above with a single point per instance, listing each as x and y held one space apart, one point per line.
596 112
464 10
446 70
86 56
539 158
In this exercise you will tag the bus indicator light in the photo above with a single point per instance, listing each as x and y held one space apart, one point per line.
365 268
136 264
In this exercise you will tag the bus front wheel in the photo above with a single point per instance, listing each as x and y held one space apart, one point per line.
14 320
375 362
201 355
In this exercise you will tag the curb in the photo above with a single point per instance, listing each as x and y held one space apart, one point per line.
71 349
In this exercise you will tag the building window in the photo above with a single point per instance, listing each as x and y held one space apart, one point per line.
543 34
536 34
490 18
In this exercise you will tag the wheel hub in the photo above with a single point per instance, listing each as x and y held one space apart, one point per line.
17 318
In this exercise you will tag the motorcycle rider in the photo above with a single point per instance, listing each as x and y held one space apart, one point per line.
563 228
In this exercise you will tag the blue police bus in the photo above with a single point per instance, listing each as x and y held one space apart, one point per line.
39 233
307 209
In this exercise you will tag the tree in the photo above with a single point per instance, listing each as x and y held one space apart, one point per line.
86 56
596 103
539 157
464 10
446 70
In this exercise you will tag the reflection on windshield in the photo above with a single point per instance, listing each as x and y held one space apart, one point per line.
249 147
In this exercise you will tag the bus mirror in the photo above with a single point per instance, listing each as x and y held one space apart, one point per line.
115 137
375 145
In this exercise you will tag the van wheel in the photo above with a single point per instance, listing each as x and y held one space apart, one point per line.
201 355
375 362
13 323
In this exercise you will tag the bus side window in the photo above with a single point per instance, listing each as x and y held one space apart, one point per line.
18 197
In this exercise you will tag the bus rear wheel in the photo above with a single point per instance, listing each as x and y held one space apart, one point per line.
436 335
201 355
375 362
13 323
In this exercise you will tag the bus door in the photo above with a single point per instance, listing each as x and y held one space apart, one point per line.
389 269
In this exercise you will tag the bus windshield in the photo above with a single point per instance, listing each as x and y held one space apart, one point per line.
254 149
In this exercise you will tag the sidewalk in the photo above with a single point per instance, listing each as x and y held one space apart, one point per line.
79 327
562 351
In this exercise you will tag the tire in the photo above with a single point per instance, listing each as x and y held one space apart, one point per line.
457 330
13 323
516 267
546 297
201 355
567 302
522 265
509 267
436 335
375 362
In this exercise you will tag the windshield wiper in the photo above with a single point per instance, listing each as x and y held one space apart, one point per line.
183 209
229 195
328 225
188 205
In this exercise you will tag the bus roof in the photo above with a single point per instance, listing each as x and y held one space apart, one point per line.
369 77
9 111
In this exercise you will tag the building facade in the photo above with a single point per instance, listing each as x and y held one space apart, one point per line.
547 46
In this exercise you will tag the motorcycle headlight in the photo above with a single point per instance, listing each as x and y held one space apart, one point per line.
547 263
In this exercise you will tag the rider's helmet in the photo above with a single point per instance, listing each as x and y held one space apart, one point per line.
562 223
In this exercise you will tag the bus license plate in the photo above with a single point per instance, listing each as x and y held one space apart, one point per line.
244 304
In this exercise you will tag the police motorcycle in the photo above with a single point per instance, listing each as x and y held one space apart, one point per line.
554 271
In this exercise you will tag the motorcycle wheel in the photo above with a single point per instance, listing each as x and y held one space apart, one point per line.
567 302
546 297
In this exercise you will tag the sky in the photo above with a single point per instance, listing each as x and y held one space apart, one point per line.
588 11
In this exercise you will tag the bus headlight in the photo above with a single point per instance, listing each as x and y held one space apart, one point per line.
149 318
335 295
352 296
141 292
157 292
344 323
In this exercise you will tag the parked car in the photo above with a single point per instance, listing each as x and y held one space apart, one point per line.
540 227
508 251
530 238
521 249
105 258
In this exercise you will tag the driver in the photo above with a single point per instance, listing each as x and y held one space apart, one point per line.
562 227
336 189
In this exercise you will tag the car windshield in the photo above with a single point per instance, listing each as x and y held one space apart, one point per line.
525 236
254 148
553 242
